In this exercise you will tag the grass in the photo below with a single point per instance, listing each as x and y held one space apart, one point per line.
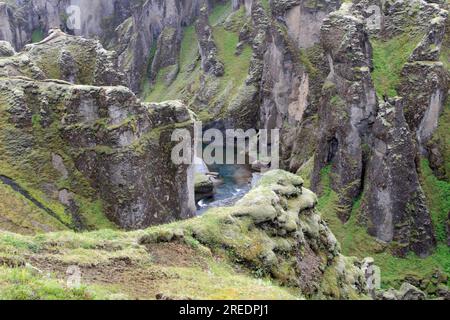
21 216
389 57
37 35
236 67
25 284
355 240
188 56
438 196
219 13
204 276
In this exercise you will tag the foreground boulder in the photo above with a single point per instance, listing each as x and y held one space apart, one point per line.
397 211
276 231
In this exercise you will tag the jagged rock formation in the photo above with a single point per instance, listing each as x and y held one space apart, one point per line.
274 231
294 71
359 90
138 34
166 55
348 107
75 60
365 154
89 139
207 47
397 211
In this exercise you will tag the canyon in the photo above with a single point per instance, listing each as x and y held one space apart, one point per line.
91 92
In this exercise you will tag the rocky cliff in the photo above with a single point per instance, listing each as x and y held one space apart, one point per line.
85 143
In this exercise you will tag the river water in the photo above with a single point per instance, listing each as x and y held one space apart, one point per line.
236 183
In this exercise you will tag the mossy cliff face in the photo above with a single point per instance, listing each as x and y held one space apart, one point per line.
81 151
121 147
274 237
75 60
371 146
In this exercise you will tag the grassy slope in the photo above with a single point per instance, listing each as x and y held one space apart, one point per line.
187 83
25 157
389 57
113 265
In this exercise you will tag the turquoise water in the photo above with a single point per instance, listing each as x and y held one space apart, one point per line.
236 182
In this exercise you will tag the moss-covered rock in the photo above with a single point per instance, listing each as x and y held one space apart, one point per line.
110 148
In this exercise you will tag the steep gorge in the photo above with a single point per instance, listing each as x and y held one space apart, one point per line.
362 109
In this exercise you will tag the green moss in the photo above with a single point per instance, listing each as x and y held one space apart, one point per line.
29 150
37 35
196 273
355 241
24 284
306 62
389 57
219 13
306 171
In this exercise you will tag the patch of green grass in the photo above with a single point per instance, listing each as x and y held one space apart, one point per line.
37 35
219 13
25 284
389 57
355 241
187 83
188 73
236 67
438 198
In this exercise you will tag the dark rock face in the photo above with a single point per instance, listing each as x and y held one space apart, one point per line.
348 107
422 111
75 60
294 68
121 146
370 147
207 47
135 36
394 202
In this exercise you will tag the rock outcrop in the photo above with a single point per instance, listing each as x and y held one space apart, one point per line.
295 68
75 60
369 146
207 47
348 107
276 231
397 211
86 142
121 146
